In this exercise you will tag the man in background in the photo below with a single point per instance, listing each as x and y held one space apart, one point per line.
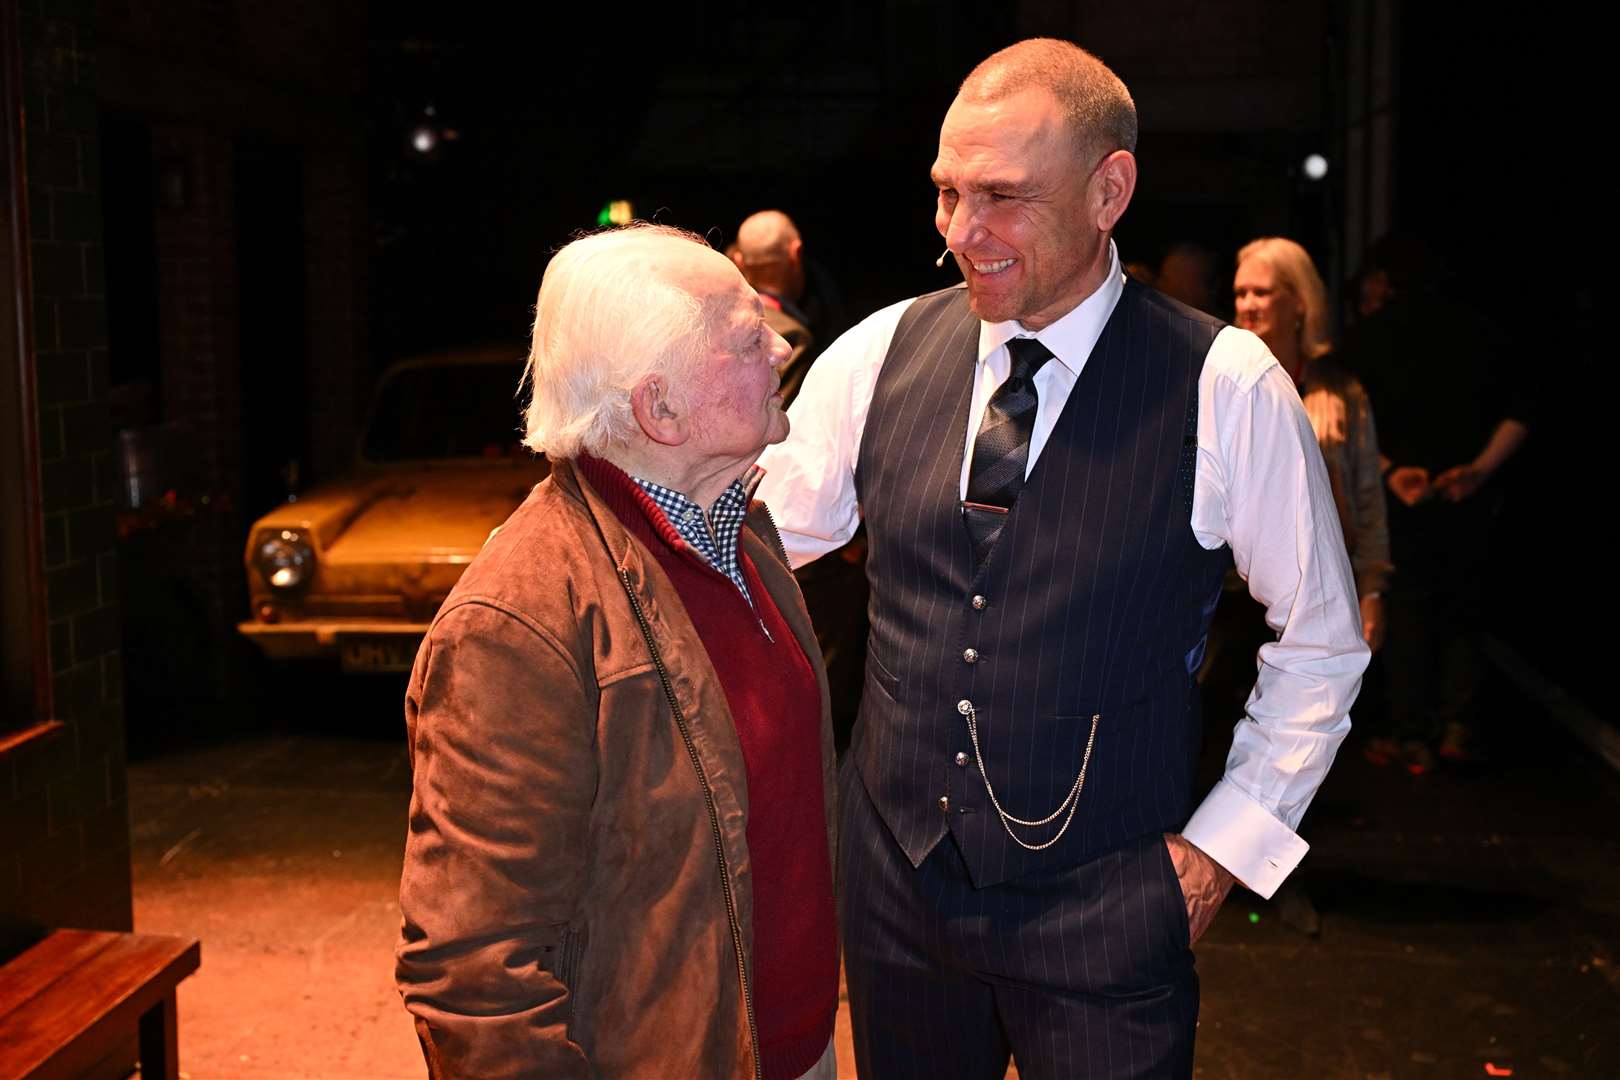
770 254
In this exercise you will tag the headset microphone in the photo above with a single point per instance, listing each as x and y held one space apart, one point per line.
941 260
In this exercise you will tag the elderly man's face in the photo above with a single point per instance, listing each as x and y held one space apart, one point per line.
734 403
1013 208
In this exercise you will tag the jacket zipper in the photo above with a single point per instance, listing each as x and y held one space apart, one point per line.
781 549
714 816
776 534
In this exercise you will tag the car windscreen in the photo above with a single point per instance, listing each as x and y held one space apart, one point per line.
449 411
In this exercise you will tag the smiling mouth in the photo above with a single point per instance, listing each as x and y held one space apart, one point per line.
987 268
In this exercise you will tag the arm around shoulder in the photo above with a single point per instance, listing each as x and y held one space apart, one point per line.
809 479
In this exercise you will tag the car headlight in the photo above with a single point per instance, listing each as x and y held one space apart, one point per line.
284 559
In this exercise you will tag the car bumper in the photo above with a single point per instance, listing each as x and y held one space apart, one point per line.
360 646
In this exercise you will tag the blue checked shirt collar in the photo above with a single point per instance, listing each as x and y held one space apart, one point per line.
714 537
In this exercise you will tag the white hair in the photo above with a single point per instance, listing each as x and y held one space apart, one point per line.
612 310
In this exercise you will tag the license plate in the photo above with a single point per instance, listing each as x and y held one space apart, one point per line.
370 654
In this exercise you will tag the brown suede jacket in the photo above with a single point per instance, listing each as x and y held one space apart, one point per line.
576 896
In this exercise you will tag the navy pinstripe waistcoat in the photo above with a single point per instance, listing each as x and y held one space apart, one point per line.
1095 600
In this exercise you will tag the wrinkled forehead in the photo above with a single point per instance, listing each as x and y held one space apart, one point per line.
729 303
1020 130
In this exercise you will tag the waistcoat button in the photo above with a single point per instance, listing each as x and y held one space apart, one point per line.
945 803
978 603
961 759
971 656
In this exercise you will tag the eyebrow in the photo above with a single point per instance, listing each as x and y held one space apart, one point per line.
745 328
1004 186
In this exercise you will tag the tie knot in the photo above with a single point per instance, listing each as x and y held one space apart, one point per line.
1027 357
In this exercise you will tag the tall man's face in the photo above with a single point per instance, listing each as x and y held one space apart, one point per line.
1018 209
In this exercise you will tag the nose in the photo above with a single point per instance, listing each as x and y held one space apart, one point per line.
781 351
963 228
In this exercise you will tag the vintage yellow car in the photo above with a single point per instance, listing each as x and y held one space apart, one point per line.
355 569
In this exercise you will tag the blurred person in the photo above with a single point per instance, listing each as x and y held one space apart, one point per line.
1372 291
770 254
1056 464
1190 273
1452 414
619 861
1279 296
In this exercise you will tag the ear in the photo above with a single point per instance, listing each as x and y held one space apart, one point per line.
795 250
737 258
656 414
1112 186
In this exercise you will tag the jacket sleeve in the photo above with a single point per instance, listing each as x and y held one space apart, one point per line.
501 723
1371 561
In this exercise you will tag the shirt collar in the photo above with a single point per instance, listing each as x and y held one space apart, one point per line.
1072 337
713 538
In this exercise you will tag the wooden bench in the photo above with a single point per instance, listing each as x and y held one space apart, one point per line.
71 1001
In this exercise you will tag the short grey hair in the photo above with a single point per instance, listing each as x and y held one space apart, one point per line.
612 310
1297 273
1096 106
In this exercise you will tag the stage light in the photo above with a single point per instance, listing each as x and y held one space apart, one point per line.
616 212
1316 166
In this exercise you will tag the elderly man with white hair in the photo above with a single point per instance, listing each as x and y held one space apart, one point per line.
618 860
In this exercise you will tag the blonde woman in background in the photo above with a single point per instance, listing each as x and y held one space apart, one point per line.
1279 295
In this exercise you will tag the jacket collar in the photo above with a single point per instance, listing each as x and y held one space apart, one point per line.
759 539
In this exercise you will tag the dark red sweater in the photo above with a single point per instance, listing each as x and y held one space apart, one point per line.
776 705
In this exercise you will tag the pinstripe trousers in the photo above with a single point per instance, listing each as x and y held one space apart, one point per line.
1084 971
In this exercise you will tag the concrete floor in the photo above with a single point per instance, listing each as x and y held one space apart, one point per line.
1470 920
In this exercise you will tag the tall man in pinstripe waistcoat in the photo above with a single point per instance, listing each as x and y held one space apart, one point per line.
1055 464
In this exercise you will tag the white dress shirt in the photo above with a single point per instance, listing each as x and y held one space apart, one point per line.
1260 487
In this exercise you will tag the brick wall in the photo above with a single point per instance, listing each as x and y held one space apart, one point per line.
195 241
335 307
64 809
208 78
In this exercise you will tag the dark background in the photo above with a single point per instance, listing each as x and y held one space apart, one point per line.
229 237
701 113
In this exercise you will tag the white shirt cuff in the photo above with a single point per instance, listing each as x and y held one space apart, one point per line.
1245 838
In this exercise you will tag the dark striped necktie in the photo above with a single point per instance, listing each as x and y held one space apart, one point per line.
1001 449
